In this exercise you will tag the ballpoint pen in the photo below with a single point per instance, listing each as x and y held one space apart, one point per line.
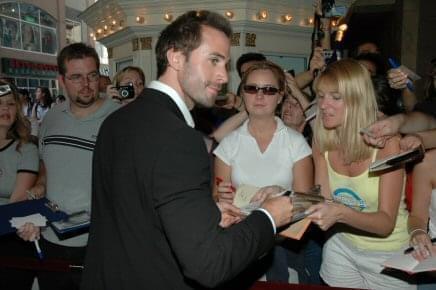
38 249
411 249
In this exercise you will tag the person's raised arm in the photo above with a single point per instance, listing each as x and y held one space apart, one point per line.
398 80
317 62
423 183
296 92
377 133
229 125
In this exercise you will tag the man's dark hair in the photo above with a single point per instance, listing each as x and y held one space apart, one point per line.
77 50
376 59
184 34
24 92
247 57
389 100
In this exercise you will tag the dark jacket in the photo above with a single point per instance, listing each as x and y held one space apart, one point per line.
154 224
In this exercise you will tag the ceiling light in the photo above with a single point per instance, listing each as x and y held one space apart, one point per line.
262 15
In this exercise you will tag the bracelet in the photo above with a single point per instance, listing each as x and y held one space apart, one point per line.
417 230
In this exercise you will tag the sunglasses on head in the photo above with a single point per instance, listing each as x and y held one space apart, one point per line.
5 90
267 90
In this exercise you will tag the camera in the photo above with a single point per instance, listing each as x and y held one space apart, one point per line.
126 92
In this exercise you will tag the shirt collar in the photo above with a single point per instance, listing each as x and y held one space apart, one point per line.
172 93
280 126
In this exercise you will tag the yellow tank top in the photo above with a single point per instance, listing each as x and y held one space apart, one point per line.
361 192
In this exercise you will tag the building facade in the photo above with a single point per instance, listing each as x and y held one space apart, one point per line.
32 32
280 29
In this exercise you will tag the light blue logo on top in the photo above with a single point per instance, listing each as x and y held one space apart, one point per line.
349 198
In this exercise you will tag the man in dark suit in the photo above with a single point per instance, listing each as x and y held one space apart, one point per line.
154 222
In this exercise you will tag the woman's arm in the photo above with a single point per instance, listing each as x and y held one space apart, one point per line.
424 181
229 125
222 188
321 172
303 175
381 222
23 183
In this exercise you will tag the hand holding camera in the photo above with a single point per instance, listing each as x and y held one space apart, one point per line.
120 93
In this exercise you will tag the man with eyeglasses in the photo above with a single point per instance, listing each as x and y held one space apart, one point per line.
66 142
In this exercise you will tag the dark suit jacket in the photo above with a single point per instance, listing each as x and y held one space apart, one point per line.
154 223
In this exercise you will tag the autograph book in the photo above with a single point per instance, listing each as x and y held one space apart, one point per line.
301 202
406 263
397 160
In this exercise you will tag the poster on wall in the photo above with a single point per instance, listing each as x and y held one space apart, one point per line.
9 33
30 34
48 40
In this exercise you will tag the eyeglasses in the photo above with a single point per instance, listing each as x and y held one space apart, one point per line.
78 78
267 90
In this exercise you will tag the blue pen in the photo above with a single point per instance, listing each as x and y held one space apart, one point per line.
394 64
38 250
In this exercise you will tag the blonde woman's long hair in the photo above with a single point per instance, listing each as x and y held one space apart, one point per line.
354 85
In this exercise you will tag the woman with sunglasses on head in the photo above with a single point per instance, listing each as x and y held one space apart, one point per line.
127 85
263 152
19 165
366 211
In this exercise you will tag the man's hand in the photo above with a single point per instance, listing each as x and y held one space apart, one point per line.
230 214
266 192
29 232
280 209
380 131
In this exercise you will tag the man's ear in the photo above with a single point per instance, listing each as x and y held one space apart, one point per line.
176 59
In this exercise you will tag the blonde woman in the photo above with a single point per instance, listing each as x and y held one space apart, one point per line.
367 216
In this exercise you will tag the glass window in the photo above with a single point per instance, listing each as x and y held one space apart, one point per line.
44 83
29 13
48 40
47 20
9 9
30 37
10 33
33 83
53 84
25 26
21 82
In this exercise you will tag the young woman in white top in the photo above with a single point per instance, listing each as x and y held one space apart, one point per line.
263 152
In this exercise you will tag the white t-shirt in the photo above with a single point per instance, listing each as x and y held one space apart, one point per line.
250 166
